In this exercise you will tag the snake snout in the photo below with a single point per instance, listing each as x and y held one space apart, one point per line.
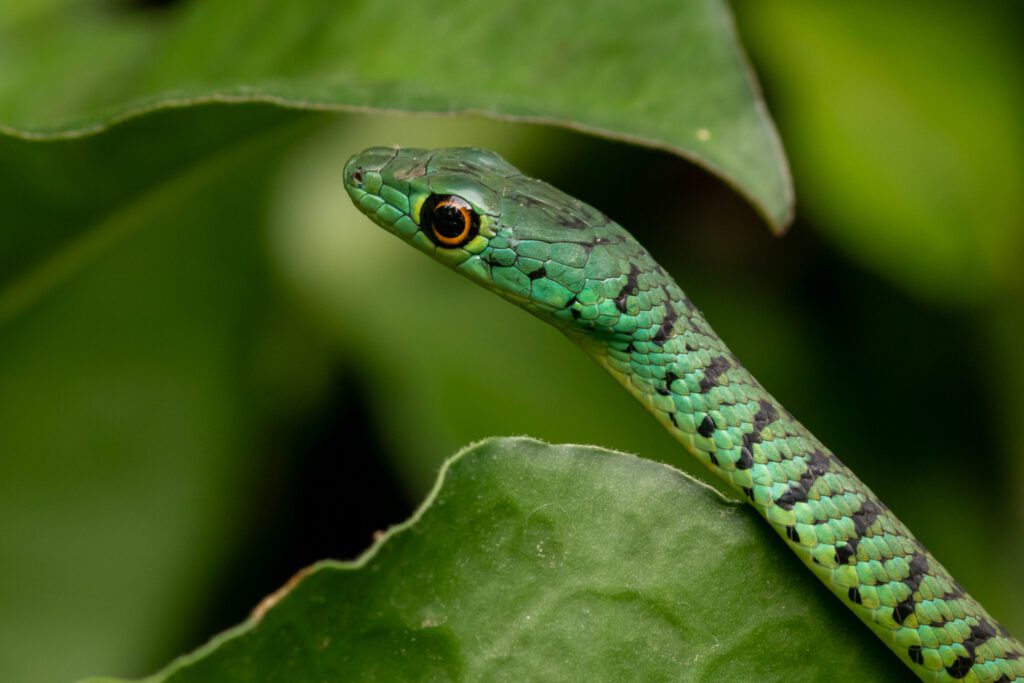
360 169
353 174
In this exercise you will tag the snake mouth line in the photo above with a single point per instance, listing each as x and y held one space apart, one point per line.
370 203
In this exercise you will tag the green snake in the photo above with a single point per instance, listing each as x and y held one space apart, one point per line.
573 267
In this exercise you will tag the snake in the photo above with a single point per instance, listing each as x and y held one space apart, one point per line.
572 266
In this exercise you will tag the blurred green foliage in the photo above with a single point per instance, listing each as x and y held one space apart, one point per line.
128 423
196 329
910 138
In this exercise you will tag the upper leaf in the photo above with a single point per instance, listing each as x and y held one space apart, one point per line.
663 74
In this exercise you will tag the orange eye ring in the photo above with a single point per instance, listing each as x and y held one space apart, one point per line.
448 220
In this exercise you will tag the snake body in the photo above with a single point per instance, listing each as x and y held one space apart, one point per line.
570 265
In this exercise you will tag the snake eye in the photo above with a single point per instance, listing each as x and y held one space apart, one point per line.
449 221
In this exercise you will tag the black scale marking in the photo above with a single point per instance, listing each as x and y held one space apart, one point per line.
712 372
669 378
746 460
865 516
667 327
817 465
961 667
631 288
846 551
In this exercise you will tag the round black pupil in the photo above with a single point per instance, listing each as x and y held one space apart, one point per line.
449 221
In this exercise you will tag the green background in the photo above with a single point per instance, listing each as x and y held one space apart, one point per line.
213 372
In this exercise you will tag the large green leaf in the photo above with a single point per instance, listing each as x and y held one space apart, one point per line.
537 562
665 74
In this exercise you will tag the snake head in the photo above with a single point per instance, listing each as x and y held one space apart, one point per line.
524 239
445 202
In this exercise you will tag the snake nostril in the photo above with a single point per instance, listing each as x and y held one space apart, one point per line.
357 176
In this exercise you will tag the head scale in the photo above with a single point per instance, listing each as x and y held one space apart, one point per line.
520 237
